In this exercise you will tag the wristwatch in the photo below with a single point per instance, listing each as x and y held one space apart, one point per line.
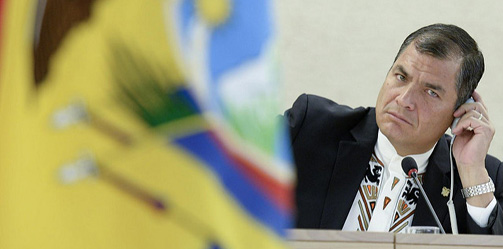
478 189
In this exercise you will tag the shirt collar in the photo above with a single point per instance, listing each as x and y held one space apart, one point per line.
386 153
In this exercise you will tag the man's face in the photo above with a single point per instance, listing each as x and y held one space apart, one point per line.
416 102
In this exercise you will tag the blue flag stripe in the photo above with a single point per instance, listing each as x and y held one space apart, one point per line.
202 146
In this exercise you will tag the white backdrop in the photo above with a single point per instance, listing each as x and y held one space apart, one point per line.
342 49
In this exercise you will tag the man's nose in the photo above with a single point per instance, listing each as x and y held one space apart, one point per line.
407 97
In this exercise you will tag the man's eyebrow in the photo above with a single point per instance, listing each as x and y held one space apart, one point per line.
435 87
402 70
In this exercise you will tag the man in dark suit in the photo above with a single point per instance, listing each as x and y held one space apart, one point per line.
348 159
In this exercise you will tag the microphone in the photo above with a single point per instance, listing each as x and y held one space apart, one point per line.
409 166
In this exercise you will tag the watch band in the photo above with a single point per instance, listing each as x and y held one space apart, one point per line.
478 189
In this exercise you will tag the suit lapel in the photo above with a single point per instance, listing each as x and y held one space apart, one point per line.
352 160
437 176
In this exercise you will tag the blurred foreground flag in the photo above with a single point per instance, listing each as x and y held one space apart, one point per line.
142 125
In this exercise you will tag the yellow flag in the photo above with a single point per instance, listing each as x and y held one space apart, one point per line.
116 147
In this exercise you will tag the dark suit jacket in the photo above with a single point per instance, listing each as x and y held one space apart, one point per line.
332 146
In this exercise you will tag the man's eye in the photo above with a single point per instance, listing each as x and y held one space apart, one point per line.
400 77
432 93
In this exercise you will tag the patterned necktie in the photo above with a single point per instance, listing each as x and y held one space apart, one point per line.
383 206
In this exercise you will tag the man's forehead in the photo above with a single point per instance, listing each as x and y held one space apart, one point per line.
442 68
453 56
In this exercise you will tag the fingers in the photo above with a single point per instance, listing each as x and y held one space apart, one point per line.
476 96
478 106
474 116
473 121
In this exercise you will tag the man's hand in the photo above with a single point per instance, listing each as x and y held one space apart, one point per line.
474 134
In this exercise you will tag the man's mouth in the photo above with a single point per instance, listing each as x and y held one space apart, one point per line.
399 118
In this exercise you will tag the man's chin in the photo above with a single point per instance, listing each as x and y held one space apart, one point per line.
394 132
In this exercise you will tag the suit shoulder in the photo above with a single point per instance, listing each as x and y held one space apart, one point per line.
313 112
314 108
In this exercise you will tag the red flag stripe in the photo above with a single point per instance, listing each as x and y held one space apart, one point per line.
280 194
